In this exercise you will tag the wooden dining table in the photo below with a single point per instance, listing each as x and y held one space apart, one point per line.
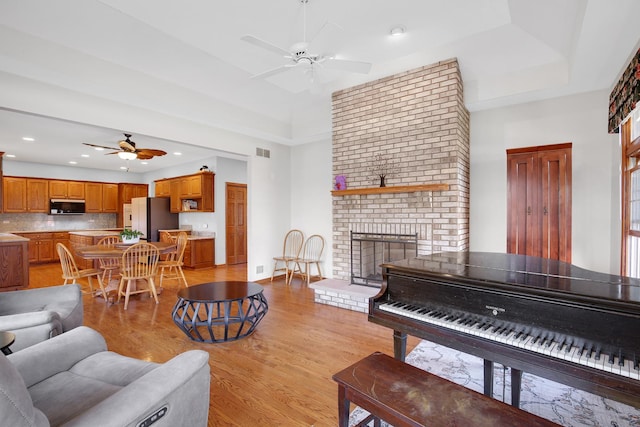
116 251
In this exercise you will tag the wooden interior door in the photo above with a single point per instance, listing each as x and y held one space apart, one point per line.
522 218
236 223
539 201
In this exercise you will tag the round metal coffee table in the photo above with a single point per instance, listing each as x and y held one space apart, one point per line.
219 311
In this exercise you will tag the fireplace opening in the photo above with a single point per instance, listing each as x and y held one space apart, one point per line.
370 250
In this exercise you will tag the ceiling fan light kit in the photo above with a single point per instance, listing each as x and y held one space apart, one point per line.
127 155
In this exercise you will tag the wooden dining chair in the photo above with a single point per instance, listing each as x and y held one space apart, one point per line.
111 264
71 273
171 268
139 262
291 249
310 255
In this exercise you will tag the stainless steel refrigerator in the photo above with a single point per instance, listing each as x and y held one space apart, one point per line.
150 214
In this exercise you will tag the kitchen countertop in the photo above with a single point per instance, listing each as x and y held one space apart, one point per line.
8 237
197 236
93 233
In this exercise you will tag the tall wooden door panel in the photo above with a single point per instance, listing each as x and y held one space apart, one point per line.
236 223
522 217
539 201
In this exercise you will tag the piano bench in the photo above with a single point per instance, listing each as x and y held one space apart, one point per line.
404 395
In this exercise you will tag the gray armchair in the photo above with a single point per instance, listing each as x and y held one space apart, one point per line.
35 315
72 380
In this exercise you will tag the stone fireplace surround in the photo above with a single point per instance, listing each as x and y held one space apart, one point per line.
418 120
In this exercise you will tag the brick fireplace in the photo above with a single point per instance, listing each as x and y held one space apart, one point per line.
417 120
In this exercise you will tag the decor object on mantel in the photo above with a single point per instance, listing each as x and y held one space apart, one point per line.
341 183
383 167
129 236
395 189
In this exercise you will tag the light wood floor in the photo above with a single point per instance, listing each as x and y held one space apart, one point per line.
278 376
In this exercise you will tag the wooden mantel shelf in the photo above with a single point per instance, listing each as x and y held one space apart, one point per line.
396 189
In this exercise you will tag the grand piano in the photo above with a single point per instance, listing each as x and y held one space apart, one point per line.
549 318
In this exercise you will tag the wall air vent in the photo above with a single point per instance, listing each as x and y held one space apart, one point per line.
263 152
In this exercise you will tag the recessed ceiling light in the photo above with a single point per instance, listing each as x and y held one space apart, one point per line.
10 155
177 153
73 162
98 148
397 30
28 139
144 163
123 168
84 155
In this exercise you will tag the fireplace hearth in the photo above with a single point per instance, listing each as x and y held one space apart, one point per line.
370 250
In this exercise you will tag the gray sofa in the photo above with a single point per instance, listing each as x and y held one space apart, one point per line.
72 380
35 315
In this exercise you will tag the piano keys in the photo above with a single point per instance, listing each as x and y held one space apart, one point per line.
546 317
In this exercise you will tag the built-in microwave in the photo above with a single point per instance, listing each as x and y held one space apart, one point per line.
66 206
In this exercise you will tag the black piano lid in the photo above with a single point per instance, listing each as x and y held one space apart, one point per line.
539 274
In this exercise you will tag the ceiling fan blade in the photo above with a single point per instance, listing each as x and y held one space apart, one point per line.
264 44
273 71
347 65
150 152
99 146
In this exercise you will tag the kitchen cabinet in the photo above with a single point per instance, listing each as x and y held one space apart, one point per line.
196 191
199 253
93 199
40 247
62 189
200 250
110 198
175 203
14 194
126 192
22 195
15 262
60 237
37 195
163 188
87 238
101 197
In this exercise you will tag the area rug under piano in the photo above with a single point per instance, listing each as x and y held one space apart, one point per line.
564 405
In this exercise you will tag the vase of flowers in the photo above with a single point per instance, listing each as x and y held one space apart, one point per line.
130 236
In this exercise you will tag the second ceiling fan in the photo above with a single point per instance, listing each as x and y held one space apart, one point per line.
128 150
300 54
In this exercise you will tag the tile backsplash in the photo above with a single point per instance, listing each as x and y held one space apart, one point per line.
43 222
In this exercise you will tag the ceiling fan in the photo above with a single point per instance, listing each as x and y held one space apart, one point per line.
301 55
128 150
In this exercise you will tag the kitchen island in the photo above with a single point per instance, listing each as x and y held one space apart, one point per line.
14 262
87 238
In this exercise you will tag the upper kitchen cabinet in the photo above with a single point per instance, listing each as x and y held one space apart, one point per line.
163 188
60 189
127 191
22 195
101 197
37 195
14 194
110 198
196 192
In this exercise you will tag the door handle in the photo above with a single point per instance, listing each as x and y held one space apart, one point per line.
528 210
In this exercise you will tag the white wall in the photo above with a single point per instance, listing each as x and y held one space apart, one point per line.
580 119
311 187
269 209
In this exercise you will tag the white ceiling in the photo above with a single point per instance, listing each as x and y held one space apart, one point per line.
186 61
